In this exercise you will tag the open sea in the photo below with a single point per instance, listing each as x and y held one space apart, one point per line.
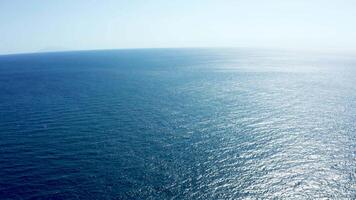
177 124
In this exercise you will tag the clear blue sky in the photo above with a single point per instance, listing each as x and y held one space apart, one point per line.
41 25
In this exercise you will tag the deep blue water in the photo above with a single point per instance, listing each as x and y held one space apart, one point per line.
177 124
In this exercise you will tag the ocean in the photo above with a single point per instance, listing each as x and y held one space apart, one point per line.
178 124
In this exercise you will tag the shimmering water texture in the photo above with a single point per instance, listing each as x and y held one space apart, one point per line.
177 124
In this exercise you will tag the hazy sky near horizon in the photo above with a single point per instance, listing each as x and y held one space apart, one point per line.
37 25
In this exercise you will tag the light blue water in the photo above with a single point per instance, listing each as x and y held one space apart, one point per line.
177 124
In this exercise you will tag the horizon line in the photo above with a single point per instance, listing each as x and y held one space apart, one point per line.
311 50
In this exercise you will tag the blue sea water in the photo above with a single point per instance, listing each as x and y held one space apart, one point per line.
178 124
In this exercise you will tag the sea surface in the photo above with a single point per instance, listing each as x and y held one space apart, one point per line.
178 124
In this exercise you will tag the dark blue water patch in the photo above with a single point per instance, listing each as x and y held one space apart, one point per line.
177 124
